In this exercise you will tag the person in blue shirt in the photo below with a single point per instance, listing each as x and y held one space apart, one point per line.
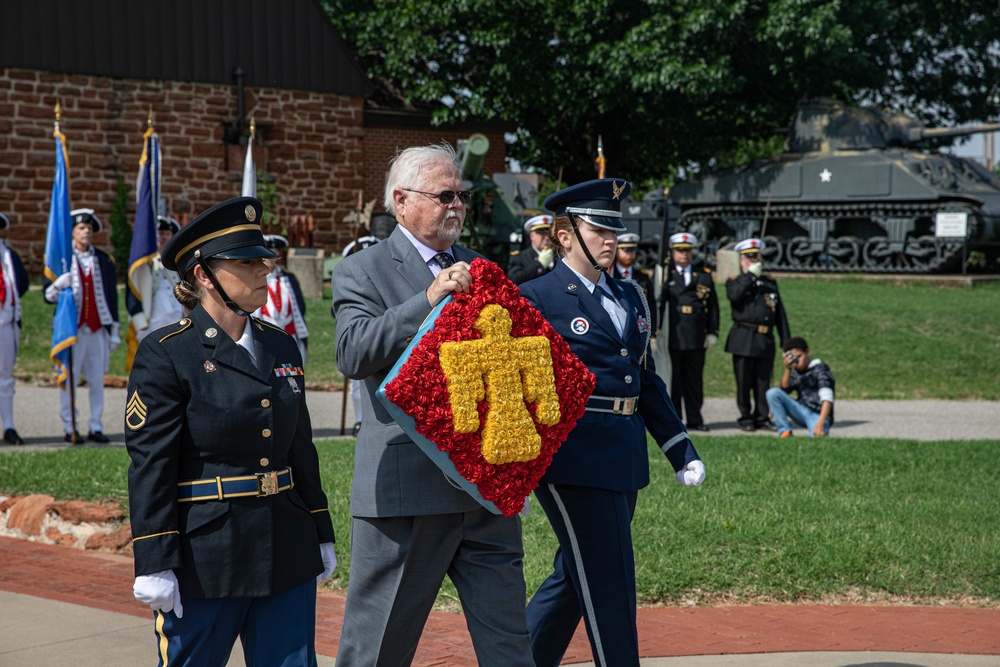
589 491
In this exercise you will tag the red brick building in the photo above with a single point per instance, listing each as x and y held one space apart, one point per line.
204 68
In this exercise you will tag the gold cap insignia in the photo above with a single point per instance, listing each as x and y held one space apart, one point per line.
135 412
616 191
250 212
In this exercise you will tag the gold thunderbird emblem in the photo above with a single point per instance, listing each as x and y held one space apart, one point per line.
250 213
617 191
135 412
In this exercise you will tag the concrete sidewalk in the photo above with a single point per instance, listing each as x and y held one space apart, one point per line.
36 411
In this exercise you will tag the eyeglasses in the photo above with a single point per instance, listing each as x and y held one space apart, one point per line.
445 196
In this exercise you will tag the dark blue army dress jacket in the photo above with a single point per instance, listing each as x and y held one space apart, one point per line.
199 409
605 450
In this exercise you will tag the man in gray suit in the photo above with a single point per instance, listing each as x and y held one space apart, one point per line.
410 525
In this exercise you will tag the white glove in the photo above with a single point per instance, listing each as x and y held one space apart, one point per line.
63 281
160 591
693 474
329 560
115 339
756 268
710 341
547 257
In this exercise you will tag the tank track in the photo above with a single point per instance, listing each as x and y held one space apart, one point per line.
896 250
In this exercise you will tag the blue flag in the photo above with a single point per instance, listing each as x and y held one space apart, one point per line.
143 248
59 260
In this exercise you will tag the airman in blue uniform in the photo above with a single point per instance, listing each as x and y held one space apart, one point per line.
589 491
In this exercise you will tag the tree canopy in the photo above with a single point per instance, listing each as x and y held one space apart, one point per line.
671 84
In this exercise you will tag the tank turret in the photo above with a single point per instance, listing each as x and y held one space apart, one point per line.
854 190
828 125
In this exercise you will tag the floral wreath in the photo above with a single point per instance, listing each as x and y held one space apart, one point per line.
495 387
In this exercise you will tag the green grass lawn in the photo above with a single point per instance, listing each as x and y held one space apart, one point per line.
782 522
881 340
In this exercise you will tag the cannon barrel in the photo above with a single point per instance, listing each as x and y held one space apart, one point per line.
918 133
476 148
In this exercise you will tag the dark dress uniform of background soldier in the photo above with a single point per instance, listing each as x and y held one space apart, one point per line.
694 326
590 490
538 258
624 269
229 521
757 311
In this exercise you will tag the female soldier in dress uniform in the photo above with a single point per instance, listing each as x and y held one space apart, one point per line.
589 491
230 524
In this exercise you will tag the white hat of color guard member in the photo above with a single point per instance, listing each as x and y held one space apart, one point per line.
537 223
749 246
628 240
682 240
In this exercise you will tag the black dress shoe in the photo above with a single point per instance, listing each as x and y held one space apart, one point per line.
748 427
79 438
11 437
357 427
766 425
98 436
699 427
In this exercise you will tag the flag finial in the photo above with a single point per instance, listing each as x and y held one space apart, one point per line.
149 117
58 111
253 128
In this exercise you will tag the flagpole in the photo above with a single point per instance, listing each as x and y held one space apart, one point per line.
69 368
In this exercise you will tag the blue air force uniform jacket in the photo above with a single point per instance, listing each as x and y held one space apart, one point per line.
608 451
198 409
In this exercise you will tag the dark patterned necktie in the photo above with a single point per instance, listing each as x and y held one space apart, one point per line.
444 260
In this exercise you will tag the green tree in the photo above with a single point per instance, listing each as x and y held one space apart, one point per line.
672 85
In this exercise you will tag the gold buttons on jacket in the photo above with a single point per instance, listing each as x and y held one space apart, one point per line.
266 433
628 379
264 462
264 403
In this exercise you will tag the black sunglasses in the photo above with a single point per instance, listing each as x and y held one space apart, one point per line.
446 196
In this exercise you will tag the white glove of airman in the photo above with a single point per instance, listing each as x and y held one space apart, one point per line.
329 560
693 474
546 257
710 341
756 268
160 591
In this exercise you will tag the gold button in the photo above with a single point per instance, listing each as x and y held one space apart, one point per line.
264 403
264 462
266 433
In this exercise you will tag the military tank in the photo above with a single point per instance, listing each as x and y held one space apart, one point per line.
856 189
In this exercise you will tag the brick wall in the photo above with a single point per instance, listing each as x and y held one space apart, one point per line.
314 146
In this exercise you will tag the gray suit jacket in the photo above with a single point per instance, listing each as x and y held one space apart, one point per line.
379 303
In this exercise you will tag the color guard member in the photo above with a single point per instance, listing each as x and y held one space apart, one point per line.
94 282
757 311
229 520
13 285
285 307
536 260
694 326
164 307
589 491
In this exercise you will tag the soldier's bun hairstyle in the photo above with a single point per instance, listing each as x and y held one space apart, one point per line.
559 222
187 294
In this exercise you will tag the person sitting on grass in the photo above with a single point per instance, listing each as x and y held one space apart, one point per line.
814 382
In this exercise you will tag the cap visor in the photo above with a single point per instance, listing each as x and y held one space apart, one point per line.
604 222
246 252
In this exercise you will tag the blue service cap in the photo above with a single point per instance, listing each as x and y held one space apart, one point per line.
230 230
598 202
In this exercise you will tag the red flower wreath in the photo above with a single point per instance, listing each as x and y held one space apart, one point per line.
421 390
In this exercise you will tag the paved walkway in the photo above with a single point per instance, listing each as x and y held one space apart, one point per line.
44 621
63 606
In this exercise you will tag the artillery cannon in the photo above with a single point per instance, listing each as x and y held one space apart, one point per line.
854 190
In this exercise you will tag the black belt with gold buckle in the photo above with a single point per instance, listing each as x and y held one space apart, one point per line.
258 485
613 404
